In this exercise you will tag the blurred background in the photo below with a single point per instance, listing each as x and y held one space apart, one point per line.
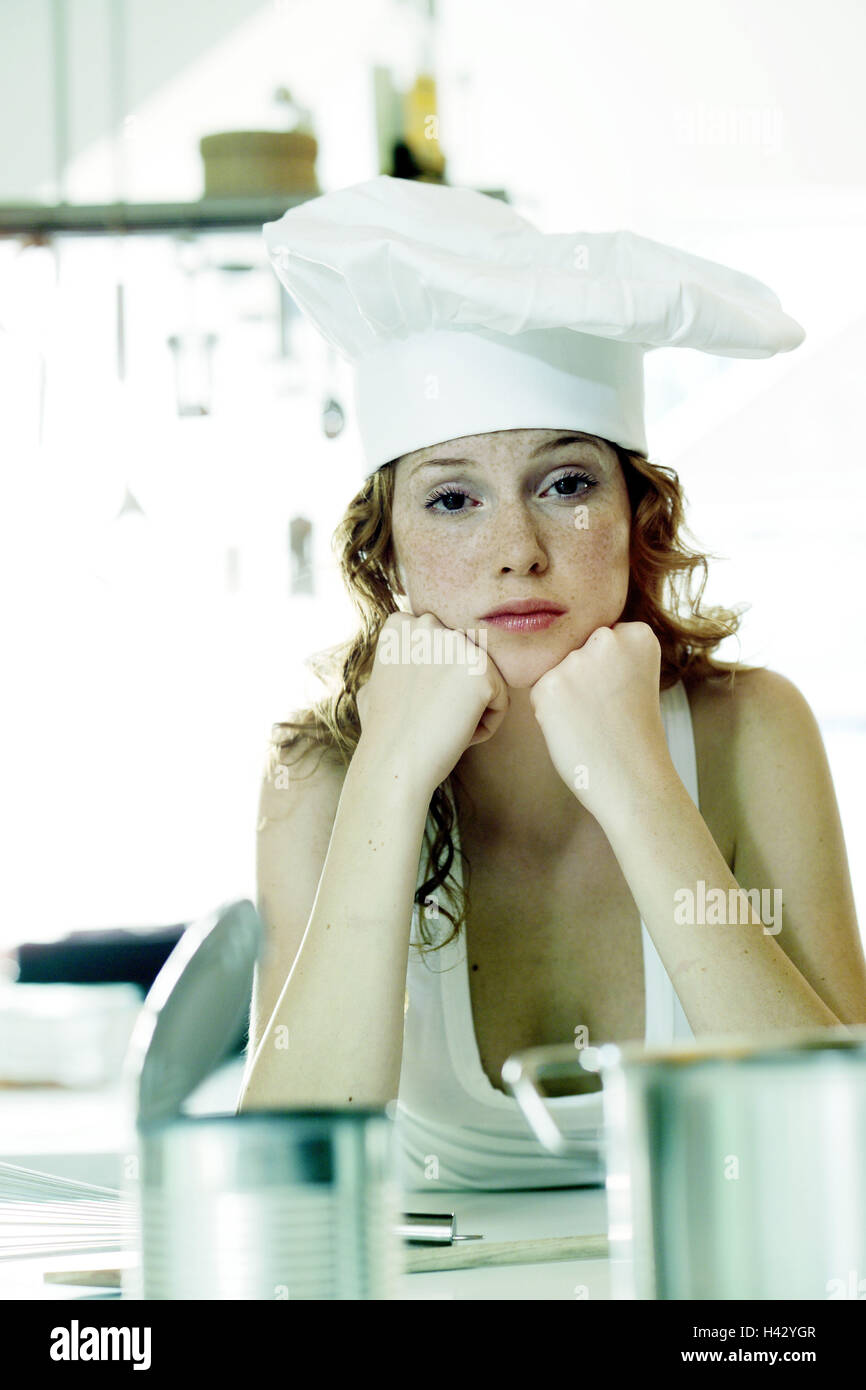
178 445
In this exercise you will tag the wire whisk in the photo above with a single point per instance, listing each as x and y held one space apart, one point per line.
43 1214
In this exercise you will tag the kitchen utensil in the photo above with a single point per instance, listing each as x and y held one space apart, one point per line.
430 1227
736 1166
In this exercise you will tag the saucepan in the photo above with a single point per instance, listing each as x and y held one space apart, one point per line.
735 1165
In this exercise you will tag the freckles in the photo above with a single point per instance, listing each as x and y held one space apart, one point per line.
442 562
429 554
438 552
602 547
435 563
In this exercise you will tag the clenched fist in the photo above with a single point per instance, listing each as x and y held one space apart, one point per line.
600 715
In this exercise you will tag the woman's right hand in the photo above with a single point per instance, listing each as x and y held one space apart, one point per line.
429 697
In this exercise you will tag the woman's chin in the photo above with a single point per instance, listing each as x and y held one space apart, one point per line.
521 672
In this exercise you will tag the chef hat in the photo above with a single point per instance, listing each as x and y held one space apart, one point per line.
460 317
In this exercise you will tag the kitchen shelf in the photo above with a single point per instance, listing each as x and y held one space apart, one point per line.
208 214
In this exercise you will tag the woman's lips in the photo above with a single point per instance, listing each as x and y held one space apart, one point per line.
523 622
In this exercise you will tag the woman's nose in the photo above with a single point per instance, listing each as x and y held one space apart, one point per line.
516 542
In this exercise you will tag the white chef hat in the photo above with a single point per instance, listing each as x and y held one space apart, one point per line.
460 317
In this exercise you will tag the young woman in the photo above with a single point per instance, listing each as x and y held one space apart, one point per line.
539 751
576 825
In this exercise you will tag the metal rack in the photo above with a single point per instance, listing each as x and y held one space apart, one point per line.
208 214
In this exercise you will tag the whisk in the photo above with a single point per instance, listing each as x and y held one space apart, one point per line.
42 1214
199 1012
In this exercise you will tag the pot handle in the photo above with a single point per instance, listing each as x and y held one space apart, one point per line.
522 1071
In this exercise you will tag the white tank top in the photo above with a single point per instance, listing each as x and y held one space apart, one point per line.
453 1129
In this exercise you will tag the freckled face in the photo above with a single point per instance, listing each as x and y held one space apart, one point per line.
508 517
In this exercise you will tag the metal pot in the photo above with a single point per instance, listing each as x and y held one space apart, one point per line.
736 1167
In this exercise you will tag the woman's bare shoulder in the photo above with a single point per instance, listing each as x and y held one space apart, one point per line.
731 720
727 705
303 774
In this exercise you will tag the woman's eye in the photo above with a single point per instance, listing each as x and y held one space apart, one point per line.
448 496
573 484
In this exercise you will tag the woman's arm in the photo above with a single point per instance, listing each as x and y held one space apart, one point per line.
730 976
736 975
789 829
335 1035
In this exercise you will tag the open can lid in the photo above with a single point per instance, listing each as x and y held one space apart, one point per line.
193 1011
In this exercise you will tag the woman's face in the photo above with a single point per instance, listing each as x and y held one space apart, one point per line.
488 519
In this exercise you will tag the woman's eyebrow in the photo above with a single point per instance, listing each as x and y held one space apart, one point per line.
564 440
561 442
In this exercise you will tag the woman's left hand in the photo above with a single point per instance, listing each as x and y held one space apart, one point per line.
600 715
